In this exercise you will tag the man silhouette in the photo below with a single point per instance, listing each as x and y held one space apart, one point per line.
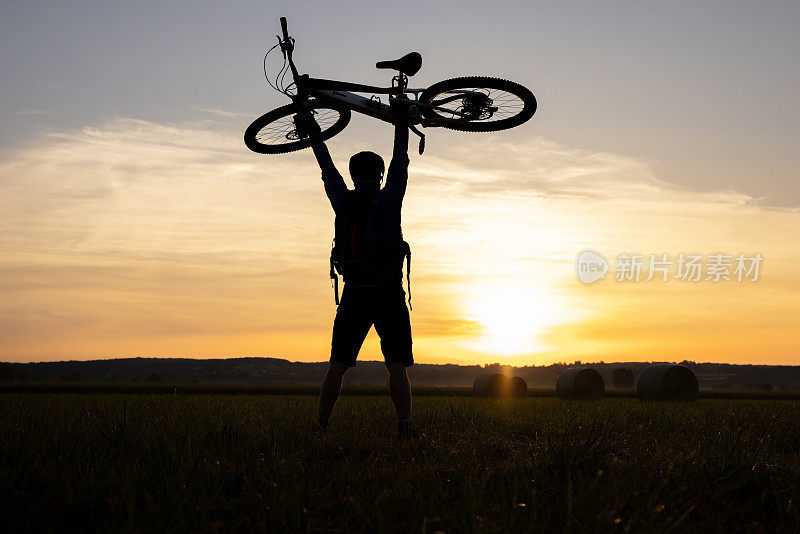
370 250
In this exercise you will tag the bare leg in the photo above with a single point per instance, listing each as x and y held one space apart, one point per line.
331 387
400 390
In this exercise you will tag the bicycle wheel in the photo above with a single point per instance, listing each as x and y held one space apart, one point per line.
477 104
275 132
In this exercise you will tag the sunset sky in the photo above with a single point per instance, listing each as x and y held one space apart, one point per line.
134 221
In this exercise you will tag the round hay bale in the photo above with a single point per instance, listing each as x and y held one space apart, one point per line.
491 385
519 388
666 381
580 383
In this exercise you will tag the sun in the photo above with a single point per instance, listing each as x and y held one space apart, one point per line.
513 318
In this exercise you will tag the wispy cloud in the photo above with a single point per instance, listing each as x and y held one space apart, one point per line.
222 113
538 167
134 235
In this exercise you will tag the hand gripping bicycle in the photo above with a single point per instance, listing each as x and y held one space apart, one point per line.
470 103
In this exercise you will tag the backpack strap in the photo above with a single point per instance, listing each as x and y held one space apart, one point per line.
408 278
407 254
334 278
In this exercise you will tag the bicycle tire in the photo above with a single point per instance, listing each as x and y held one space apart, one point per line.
516 113
283 136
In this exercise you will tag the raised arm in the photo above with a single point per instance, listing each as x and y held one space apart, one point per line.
335 187
397 175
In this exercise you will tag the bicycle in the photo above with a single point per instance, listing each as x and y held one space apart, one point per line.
470 103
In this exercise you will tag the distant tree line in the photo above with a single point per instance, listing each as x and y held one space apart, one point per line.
279 371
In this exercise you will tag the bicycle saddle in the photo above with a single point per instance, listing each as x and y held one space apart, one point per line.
409 64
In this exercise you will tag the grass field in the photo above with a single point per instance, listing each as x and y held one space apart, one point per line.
158 462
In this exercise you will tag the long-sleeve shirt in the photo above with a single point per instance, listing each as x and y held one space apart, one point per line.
387 218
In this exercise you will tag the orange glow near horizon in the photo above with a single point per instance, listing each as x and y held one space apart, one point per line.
102 259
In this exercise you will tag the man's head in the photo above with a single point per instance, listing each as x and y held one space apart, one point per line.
366 170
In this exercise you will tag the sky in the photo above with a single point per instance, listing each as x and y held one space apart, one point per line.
134 221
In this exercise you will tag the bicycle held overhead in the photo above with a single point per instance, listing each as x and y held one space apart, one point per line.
470 103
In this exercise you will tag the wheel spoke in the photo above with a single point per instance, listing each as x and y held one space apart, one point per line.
454 104
283 131
477 104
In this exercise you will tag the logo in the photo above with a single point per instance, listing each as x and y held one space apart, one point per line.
590 266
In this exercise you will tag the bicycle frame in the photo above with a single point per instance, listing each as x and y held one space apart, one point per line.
465 103
344 93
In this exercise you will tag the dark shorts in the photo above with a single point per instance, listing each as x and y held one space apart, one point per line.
359 309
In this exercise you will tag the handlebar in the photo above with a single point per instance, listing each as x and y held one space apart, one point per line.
287 46
284 29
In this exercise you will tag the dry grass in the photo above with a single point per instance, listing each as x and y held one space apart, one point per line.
141 462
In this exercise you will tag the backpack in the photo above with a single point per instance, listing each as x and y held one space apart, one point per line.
355 244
